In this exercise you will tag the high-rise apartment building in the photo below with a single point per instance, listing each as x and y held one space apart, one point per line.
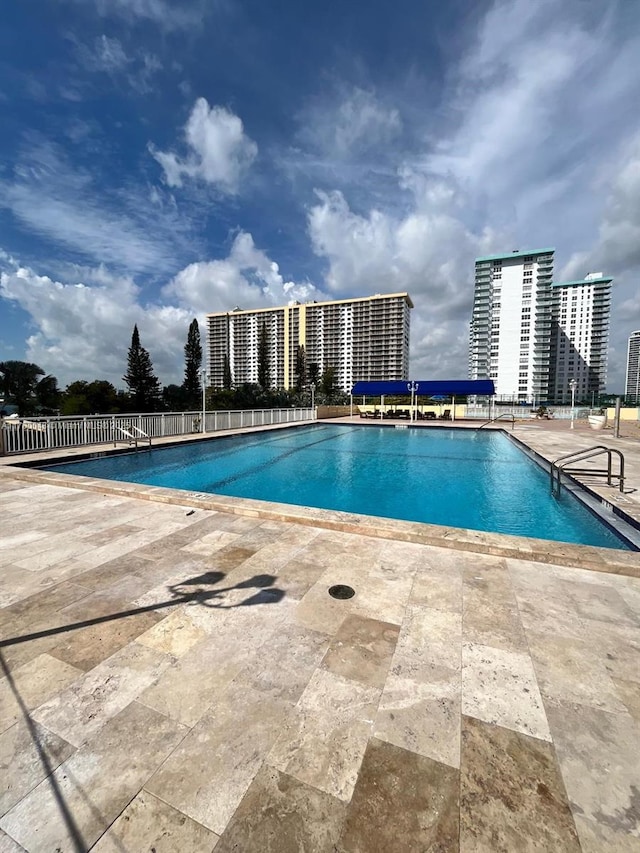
580 337
361 339
510 339
533 336
632 383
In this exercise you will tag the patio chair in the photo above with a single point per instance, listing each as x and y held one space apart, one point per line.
446 415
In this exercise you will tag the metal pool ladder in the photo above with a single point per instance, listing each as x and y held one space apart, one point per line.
132 436
558 466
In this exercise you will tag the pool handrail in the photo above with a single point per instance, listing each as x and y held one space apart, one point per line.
503 415
557 467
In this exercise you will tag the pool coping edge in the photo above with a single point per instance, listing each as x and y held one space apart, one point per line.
607 560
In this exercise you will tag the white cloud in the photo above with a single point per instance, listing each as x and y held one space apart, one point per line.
506 159
426 253
67 205
616 249
356 123
247 278
83 331
219 151
618 245
531 143
83 323
349 138
108 55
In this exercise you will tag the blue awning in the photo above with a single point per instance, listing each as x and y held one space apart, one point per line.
424 388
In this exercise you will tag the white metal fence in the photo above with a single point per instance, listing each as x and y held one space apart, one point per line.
21 435
524 412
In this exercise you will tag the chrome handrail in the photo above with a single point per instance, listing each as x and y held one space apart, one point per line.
503 415
579 456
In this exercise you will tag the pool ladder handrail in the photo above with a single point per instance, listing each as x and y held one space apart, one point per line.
130 437
503 415
558 466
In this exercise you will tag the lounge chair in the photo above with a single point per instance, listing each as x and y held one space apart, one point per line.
446 415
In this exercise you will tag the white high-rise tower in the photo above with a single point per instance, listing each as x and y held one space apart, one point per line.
632 384
533 336
510 336
580 337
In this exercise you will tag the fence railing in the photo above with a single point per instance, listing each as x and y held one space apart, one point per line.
24 435
526 412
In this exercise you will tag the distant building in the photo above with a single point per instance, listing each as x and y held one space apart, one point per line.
632 384
580 337
532 335
510 339
362 339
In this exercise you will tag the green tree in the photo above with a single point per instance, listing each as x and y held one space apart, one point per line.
75 400
142 382
313 374
48 396
175 399
263 358
193 362
328 382
227 378
91 398
300 369
19 385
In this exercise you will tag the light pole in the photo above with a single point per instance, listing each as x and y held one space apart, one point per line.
203 374
572 385
313 398
412 387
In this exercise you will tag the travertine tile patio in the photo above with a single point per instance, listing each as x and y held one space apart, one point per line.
194 687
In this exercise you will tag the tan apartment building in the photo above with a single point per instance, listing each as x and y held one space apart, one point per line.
362 339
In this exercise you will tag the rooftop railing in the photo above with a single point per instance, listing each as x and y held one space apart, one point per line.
24 435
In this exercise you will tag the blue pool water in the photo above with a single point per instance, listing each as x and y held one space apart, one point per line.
458 478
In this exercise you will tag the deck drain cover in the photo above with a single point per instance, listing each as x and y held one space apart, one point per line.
340 590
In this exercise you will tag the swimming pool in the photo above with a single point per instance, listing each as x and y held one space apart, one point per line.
458 478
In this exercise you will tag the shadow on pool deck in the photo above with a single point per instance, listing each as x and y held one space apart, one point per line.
199 596
267 595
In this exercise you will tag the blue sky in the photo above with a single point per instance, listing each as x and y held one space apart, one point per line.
161 159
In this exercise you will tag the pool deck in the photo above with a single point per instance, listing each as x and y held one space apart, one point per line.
177 678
